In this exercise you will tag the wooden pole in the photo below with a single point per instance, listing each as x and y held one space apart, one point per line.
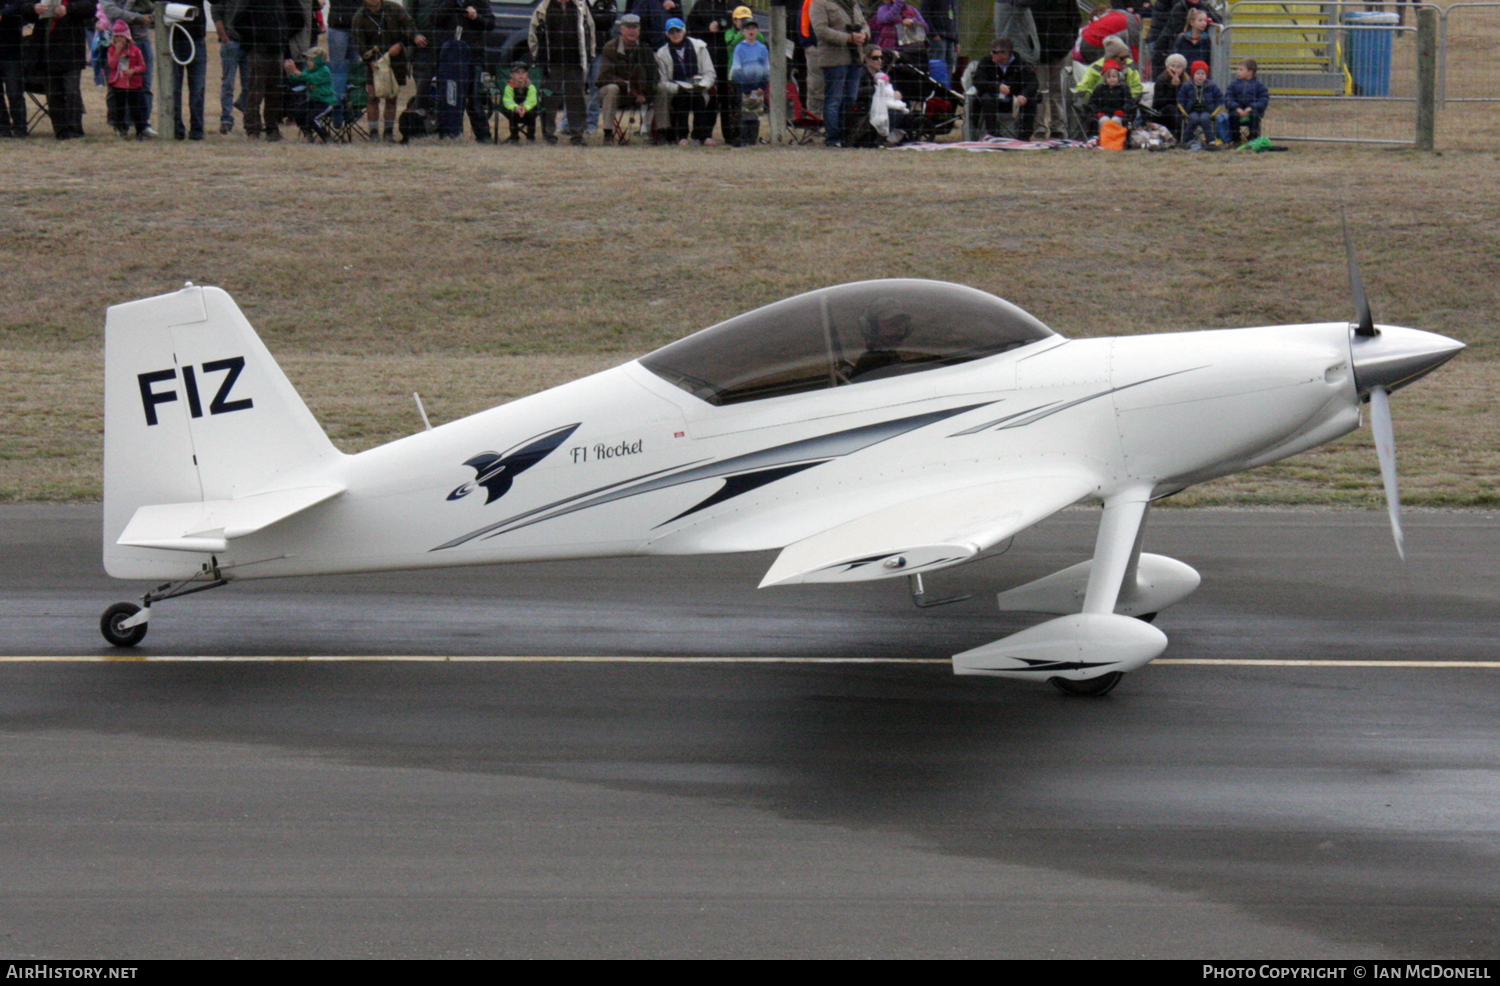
776 104
1427 31
164 109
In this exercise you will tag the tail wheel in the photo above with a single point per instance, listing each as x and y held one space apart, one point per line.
1090 687
109 625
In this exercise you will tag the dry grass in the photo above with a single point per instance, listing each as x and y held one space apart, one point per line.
477 274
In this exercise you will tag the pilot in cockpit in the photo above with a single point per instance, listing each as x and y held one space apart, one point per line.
885 326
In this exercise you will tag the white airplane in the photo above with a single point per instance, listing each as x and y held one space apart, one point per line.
881 429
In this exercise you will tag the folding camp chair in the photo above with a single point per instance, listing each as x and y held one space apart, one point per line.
346 123
801 126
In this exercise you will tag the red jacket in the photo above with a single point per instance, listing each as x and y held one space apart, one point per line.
133 60
1114 22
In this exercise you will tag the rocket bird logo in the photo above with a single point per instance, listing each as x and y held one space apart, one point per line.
496 470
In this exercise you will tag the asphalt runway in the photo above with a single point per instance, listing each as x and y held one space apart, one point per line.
364 808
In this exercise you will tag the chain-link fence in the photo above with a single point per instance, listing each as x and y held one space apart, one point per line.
1338 70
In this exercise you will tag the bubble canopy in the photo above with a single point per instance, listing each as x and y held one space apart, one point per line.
841 336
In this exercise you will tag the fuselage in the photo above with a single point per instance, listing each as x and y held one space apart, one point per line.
643 466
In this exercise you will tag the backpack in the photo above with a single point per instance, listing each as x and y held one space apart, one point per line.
419 119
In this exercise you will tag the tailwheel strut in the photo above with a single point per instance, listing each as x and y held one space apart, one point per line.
124 624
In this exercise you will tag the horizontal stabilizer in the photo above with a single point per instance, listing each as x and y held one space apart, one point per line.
926 533
209 525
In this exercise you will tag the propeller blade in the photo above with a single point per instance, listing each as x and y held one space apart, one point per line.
1365 322
1385 448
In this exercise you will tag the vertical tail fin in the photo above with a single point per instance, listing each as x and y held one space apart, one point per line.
195 409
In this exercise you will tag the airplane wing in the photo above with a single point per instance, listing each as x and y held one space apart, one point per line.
929 532
208 525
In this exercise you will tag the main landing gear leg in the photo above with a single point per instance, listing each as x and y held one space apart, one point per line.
124 624
1117 553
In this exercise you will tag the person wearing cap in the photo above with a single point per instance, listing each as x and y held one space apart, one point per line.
1199 101
687 74
627 74
736 32
518 102
750 64
562 45
711 21
654 15
1118 52
841 30
750 70
1005 85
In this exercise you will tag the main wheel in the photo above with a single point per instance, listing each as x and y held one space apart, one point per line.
109 625
1090 687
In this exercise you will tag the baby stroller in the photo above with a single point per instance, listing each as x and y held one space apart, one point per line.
935 108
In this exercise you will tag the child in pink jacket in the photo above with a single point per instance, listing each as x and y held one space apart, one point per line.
127 84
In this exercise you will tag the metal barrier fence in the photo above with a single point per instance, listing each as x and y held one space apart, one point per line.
1339 74
1338 70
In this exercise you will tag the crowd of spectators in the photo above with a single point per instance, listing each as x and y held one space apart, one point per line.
699 76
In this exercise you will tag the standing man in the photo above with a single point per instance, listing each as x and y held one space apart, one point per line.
1013 20
710 21
265 29
653 15
627 74
382 30
942 34
423 56
1057 23
64 27
195 71
231 63
562 42
468 21
841 30
14 14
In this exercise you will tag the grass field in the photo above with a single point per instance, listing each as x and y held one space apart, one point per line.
476 275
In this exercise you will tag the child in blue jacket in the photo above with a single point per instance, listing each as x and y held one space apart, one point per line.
1246 100
1200 102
